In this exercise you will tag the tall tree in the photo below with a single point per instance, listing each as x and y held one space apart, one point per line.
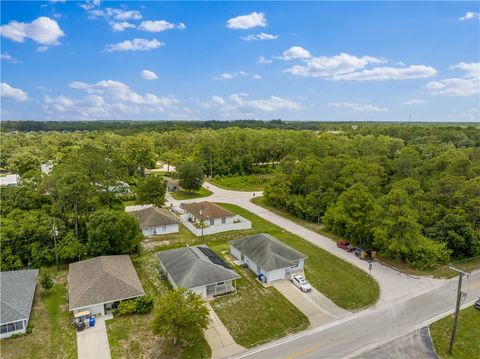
151 190
191 176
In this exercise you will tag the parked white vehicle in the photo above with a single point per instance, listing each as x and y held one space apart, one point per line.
300 282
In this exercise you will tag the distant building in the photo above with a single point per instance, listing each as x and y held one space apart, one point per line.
95 284
172 185
198 269
10 180
155 221
17 290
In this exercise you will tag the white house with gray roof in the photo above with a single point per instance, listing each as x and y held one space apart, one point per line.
154 221
266 255
198 269
17 289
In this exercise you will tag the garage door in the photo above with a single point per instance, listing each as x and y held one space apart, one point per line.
276 275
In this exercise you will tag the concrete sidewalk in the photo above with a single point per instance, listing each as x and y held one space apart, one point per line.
92 343
219 339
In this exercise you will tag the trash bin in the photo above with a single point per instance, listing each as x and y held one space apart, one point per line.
92 321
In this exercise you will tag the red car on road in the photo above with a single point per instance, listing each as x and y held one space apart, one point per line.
345 245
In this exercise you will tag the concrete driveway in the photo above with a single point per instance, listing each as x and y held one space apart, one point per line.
219 339
303 302
92 343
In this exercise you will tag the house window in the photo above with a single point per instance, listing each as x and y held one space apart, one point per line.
224 220
212 222
19 325
220 284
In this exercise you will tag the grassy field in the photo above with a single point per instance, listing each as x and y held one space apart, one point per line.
242 183
255 314
132 337
467 343
53 336
182 195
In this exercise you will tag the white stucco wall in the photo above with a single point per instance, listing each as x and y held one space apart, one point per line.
94 309
156 231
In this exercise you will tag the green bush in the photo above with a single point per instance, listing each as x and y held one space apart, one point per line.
126 307
144 304
140 305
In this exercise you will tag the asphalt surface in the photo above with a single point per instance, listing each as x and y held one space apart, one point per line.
363 332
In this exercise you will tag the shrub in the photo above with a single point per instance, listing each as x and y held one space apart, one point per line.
140 305
126 307
144 304
46 281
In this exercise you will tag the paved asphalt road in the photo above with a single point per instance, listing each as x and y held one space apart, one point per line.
350 337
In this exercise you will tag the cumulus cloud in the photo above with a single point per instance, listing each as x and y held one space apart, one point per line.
296 52
12 93
42 30
8 58
121 26
148 75
257 77
247 21
470 15
414 101
230 75
467 85
159 26
42 48
261 36
115 14
239 103
389 73
357 107
263 60
90 4
134 45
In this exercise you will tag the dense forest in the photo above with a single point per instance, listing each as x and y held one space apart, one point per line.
411 192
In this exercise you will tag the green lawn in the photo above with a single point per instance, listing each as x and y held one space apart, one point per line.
467 343
255 314
242 183
53 336
132 337
344 284
181 195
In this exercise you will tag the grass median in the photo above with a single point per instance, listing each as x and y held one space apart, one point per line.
184 195
242 183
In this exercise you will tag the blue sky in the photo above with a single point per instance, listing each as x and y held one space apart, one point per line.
324 61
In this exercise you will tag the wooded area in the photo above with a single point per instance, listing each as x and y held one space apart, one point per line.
410 191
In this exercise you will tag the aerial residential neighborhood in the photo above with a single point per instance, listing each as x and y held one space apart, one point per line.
240 180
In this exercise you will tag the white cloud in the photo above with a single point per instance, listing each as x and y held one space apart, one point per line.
230 75
90 4
470 15
257 77
467 85
247 21
237 103
296 52
263 60
261 36
54 1
134 45
12 93
414 101
121 26
8 58
324 66
116 14
42 48
159 26
389 73
148 75
42 30
357 107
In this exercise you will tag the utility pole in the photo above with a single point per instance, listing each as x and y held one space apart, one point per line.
457 306
55 234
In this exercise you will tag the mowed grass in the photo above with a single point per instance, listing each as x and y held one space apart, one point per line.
467 343
53 336
344 284
242 183
183 195
132 336
255 314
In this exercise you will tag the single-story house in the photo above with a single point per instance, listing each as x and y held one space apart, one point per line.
172 185
17 289
208 213
266 255
198 269
10 180
95 284
155 221
120 188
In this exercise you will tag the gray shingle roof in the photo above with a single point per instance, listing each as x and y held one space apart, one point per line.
190 268
17 289
154 217
267 252
101 280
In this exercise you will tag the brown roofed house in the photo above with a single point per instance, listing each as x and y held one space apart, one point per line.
208 213
95 284
155 221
